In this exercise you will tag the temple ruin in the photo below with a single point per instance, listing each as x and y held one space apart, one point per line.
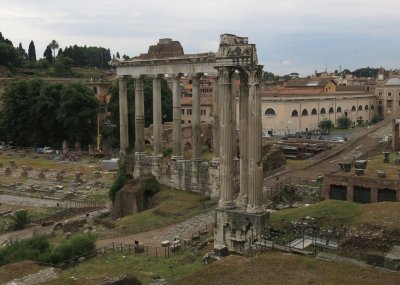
240 218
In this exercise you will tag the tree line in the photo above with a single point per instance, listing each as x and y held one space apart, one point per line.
41 113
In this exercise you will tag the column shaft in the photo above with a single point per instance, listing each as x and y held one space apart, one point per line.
215 113
139 116
226 124
243 137
177 128
123 115
255 143
196 130
157 120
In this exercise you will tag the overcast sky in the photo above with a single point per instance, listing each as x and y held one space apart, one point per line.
290 35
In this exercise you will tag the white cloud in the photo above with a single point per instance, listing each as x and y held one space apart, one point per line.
311 33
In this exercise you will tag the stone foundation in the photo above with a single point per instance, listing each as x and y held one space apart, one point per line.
196 176
238 230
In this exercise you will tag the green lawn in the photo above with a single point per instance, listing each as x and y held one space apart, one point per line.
172 206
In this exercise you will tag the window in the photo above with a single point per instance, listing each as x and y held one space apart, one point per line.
189 122
353 108
331 110
380 102
182 122
314 111
323 111
372 107
389 93
360 108
270 112
183 111
380 93
203 112
189 111
304 113
295 113
366 107
338 110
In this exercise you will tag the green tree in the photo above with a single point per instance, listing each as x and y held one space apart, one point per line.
48 55
78 113
54 46
343 122
325 125
17 117
269 76
32 52
21 219
62 66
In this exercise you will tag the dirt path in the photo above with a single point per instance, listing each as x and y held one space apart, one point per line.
183 229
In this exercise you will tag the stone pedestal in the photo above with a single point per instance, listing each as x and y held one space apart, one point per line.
238 230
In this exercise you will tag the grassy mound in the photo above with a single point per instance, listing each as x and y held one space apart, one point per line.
171 206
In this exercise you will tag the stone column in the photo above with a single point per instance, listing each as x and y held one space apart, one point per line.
157 120
177 126
255 169
226 155
395 135
196 129
139 116
234 126
123 114
243 137
215 114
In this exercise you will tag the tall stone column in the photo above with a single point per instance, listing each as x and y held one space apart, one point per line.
123 115
395 135
177 125
226 149
215 114
255 142
157 120
234 122
243 137
196 129
139 116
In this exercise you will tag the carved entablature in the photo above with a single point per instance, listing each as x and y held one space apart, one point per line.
236 51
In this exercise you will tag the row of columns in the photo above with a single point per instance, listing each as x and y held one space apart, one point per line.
250 142
157 117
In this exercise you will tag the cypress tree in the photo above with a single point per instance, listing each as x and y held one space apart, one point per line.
32 52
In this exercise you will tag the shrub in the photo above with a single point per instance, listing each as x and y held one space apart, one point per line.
21 219
77 245
325 125
119 182
26 249
375 119
343 123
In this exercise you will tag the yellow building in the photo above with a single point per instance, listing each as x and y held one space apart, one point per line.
388 95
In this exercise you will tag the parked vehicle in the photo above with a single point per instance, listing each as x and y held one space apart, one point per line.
45 149
338 139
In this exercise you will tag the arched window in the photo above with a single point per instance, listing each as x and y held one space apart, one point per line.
338 110
353 108
360 108
304 113
323 111
295 113
314 111
366 107
372 107
95 90
270 112
331 110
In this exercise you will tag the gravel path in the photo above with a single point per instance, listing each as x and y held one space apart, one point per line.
36 278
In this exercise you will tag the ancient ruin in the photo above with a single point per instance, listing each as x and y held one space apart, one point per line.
239 217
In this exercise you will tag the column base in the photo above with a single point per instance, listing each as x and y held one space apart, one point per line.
196 160
140 153
177 157
241 202
226 205
239 231
159 155
254 209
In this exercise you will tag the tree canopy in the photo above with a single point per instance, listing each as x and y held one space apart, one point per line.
40 113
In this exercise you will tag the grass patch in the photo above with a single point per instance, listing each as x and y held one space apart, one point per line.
142 267
172 206
331 212
278 268
384 214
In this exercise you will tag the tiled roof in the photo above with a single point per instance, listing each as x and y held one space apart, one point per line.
204 101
